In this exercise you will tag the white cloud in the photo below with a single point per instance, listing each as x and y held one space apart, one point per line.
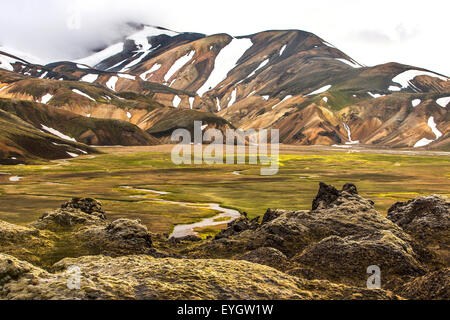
409 32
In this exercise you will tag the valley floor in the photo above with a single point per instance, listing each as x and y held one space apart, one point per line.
384 176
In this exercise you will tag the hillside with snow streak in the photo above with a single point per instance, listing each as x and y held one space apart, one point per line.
290 80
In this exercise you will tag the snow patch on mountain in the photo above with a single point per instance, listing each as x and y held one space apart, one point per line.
57 133
90 78
46 98
22 55
424 142
282 49
176 101
329 44
154 68
7 62
394 88
126 76
404 79
180 63
251 93
141 38
83 94
433 128
118 64
98 57
261 65
191 102
111 84
226 61
73 155
136 61
415 102
443 102
285 99
375 95
233 98
350 63
218 104
321 90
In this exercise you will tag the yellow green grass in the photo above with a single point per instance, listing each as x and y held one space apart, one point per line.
383 178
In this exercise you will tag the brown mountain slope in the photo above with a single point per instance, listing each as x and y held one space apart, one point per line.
95 102
90 131
21 143
287 79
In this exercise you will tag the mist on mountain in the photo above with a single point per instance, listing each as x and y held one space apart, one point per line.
67 30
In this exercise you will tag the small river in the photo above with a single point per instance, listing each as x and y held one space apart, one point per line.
182 230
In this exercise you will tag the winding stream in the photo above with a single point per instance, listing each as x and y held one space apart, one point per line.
183 230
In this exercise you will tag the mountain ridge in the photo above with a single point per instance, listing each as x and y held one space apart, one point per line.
291 80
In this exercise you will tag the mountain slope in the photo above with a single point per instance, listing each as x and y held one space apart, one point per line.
91 131
94 114
287 79
22 143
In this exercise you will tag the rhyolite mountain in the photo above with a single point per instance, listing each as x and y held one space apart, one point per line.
290 80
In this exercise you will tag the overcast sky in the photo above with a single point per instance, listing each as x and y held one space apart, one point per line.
372 32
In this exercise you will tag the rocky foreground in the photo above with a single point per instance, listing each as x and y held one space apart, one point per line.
322 253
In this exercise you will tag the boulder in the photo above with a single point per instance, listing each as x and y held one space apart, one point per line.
237 226
325 196
67 218
86 205
73 214
336 241
11 233
266 256
432 286
427 219
189 238
24 242
270 215
345 260
146 278
122 236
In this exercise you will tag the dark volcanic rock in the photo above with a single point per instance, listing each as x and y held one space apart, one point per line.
346 259
86 205
130 232
142 277
323 253
26 243
337 241
189 238
350 188
427 219
73 214
122 236
267 256
237 226
326 196
434 285
270 215
67 218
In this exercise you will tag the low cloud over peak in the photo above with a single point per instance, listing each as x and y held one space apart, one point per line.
372 33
